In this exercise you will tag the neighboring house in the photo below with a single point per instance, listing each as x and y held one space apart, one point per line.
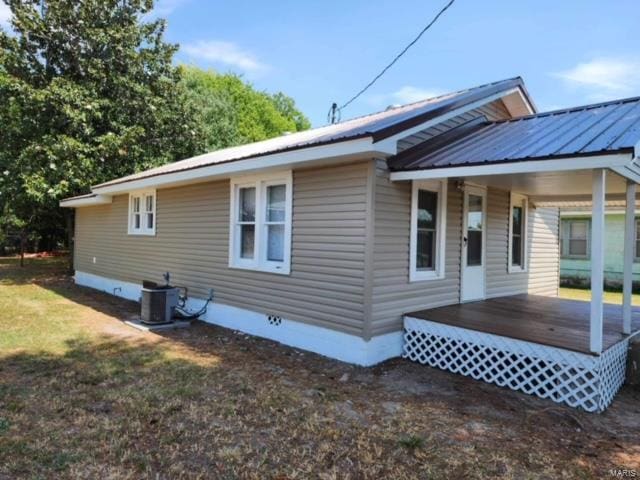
575 254
428 230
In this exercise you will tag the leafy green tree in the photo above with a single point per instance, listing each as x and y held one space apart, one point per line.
88 92
232 112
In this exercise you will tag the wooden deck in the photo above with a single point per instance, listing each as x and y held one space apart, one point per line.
544 320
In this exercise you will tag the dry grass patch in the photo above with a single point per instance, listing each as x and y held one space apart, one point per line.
83 395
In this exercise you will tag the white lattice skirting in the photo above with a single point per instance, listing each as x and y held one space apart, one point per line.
576 379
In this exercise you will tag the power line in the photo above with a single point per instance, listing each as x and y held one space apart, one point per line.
333 112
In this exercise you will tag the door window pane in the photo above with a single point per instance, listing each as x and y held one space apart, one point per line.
474 230
276 195
247 237
247 211
427 230
275 243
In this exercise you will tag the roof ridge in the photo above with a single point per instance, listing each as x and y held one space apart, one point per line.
448 94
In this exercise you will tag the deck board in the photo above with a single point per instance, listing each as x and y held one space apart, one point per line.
551 321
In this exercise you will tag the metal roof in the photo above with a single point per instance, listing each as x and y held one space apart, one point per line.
604 128
379 125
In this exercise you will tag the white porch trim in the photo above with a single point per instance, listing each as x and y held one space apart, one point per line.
597 259
563 376
324 341
629 246
531 166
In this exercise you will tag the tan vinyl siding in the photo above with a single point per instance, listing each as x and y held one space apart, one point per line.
495 110
542 249
394 295
326 283
544 263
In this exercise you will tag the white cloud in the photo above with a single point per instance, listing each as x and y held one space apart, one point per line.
166 7
405 94
227 53
5 14
604 78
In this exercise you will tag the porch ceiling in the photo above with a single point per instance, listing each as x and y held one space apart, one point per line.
553 188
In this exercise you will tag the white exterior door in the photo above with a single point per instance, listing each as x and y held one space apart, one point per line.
474 228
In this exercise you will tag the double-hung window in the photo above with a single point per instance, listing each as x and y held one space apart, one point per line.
260 228
575 238
142 213
428 225
518 219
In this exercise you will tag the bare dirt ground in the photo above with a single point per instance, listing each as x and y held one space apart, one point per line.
84 395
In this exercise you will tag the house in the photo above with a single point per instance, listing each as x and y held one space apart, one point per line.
429 230
575 263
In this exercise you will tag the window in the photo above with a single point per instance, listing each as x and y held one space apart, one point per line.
260 230
142 213
637 252
575 238
518 220
428 225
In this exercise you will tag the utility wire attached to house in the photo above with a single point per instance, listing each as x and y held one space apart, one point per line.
334 114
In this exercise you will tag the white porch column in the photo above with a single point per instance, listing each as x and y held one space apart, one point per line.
629 240
597 259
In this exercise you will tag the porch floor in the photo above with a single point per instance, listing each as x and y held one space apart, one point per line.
550 321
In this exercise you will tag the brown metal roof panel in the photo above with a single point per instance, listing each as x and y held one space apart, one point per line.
610 127
579 124
545 131
587 140
452 151
378 125
626 127
477 147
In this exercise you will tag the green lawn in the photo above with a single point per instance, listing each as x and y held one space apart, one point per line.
82 395
609 297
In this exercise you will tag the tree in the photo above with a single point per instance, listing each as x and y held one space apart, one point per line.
88 92
232 112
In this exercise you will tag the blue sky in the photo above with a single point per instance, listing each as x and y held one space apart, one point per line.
568 52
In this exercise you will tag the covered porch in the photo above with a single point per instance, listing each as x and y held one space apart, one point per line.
531 343
568 351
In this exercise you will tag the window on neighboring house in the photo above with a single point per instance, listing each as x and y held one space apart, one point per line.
428 224
518 233
575 238
142 213
260 227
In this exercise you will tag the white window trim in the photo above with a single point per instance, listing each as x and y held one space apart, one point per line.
519 199
142 194
260 262
636 251
440 187
565 237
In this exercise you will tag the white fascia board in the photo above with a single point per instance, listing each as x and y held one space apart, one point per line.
331 153
86 202
532 166
625 172
443 118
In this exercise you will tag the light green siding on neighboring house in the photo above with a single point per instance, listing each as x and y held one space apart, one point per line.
614 247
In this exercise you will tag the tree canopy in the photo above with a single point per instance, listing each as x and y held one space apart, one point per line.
89 92
232 112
